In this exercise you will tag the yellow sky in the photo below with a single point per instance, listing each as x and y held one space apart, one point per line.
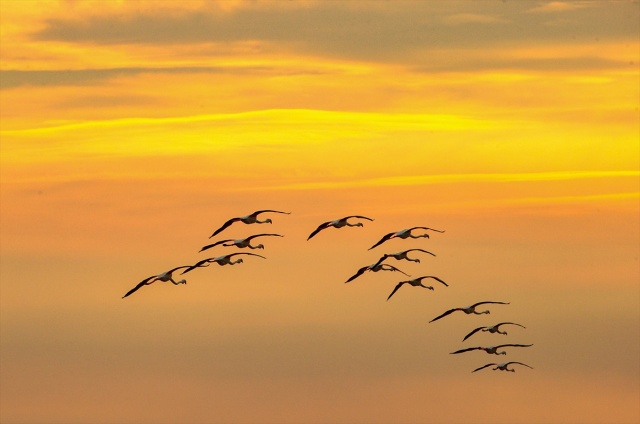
131 129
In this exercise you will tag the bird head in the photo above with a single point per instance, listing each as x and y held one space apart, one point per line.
417 260
268 220
260 246
183 281
359 224
239 261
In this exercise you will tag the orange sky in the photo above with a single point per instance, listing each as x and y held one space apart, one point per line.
132 129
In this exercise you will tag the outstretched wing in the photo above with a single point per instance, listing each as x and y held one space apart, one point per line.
466 350
230 255
261 235
357 274
513 362
256 213
482 303
393 268
225 225
483 367
209 246
358 216
382 240
435 278
140 284
400 284
320 228
514 345
513 323
199 264
419 250
382 258
444 314
426 228
472 333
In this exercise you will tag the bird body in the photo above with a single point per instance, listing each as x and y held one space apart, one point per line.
502 367
220 260
374 268
492 329
240 243
406 233
165 276
493 350
247 219
416 282
471 309
339 223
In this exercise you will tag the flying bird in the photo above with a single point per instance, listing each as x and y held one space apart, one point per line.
468 310
493 350
220 260
165 276
240 243
339 223
374 268
406 233
403 255
492 329
416 282
502 367
247 219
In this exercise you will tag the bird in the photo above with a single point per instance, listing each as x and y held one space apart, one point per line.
374 268
240 243
416 282
406 233
492 329
165 276
502 367
403 255
247 219
491 349
220 260
468 310
339 223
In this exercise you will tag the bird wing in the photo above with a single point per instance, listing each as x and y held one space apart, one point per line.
514 345
244 253
482 303
466 350
225 225
320 228
256 213
357 274
435 278
140 284
261 235
393 268
198 265
420 250
444 314
426 228
514 362
483 367
209 246
382 258
357 216
503 323
382 240
472 333
400 284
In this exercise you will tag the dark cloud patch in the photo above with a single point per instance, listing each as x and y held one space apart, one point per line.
81 77
355 31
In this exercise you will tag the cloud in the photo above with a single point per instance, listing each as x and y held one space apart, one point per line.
472 18
558 6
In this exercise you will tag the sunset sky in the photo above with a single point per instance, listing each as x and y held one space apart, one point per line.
131 130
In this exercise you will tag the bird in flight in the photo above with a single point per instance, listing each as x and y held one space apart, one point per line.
240 243
220 260
406 233
493 350
468 310
339 223
416 282
403 255
165 276
375 268
502 367
247 219
492 329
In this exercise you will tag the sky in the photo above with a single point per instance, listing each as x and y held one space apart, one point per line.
131 130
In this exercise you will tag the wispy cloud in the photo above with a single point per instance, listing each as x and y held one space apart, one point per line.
559 6
472 18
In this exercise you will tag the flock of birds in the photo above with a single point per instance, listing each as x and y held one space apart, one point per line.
379 265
